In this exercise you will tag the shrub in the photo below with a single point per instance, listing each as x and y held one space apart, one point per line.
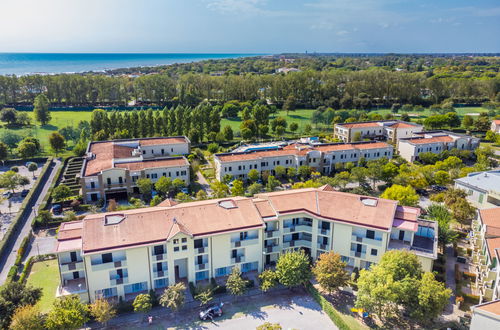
192 289
11 276
327 307
471 299
26 270
14 169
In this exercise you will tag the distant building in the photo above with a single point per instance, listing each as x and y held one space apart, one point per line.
287 70
486 316
391 130
126 253
321 157
112 168
435 142
495 126
483 188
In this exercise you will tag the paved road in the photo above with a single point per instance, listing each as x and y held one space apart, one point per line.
8 260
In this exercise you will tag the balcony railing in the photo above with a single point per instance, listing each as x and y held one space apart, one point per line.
366 240
297 228
324 232
72 266
322 246
160 257
357 254
161 273
272 233
72 287
118 281
201 266
297 243
110 265
201 250
238 259
272 248
245 242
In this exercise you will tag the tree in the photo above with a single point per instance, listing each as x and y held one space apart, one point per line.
145 186
330 272
11 180
4 151
69 216
61 192
238 189
142 303
27 317
442 216
27 149
254 188
253 175
163 186
183 197
41 109
463 211
280 171
173 297
11 139
213 148
291 172
228 133
304 171
32 167
404 195
68 312
441 177
9 115
294 127
293 269
57 142
272 183
205 296
14 295
268 280
431 299
289 104
201 195
357 137
220 190
102 311
155 201
235 283
467 122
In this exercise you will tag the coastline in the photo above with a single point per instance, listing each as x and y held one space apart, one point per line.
25 64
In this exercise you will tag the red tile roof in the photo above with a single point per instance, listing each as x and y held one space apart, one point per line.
360 125
153 163
492 307
435 139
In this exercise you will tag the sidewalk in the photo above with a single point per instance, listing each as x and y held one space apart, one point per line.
8 260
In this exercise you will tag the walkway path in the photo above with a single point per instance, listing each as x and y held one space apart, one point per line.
204 183
8 259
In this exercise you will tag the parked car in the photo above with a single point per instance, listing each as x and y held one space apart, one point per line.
7 194
438 188
211 312
422 192
24 193
57 209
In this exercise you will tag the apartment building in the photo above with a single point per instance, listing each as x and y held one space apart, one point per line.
435 142
321 157
483 188
121 254
390 130
111 168
486 316
485 242
495 126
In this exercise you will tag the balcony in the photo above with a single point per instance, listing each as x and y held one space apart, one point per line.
118 280
297 243
272 248
161 273
201 250
72 266
272 233
201 266
115 185
110 265
238 259
323 247
69 287
245 242
324 232
366 240
297 228
357 254
159 257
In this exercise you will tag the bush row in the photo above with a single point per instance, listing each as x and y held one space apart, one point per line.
26 270
327 307
33 193
22 248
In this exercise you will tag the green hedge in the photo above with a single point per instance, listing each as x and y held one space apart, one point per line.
327 307
26 270
12 275
22 248
34 191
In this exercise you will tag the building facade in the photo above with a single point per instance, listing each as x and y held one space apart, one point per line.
495 126
121 254
483 188
435 142
485 241
486 316
390 130
321 157
112 168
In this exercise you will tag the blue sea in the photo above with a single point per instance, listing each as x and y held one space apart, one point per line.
47 63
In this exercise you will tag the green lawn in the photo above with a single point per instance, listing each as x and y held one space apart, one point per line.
423 114
45 275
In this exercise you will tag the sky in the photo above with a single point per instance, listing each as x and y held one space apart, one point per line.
250 26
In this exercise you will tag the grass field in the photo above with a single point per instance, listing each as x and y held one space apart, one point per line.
45 275
460 111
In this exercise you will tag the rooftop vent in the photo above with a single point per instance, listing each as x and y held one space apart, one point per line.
228 204
369 201
113 219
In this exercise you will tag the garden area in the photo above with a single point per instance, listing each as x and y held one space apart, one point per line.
45 275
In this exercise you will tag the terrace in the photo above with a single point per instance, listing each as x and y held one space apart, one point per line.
424 240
